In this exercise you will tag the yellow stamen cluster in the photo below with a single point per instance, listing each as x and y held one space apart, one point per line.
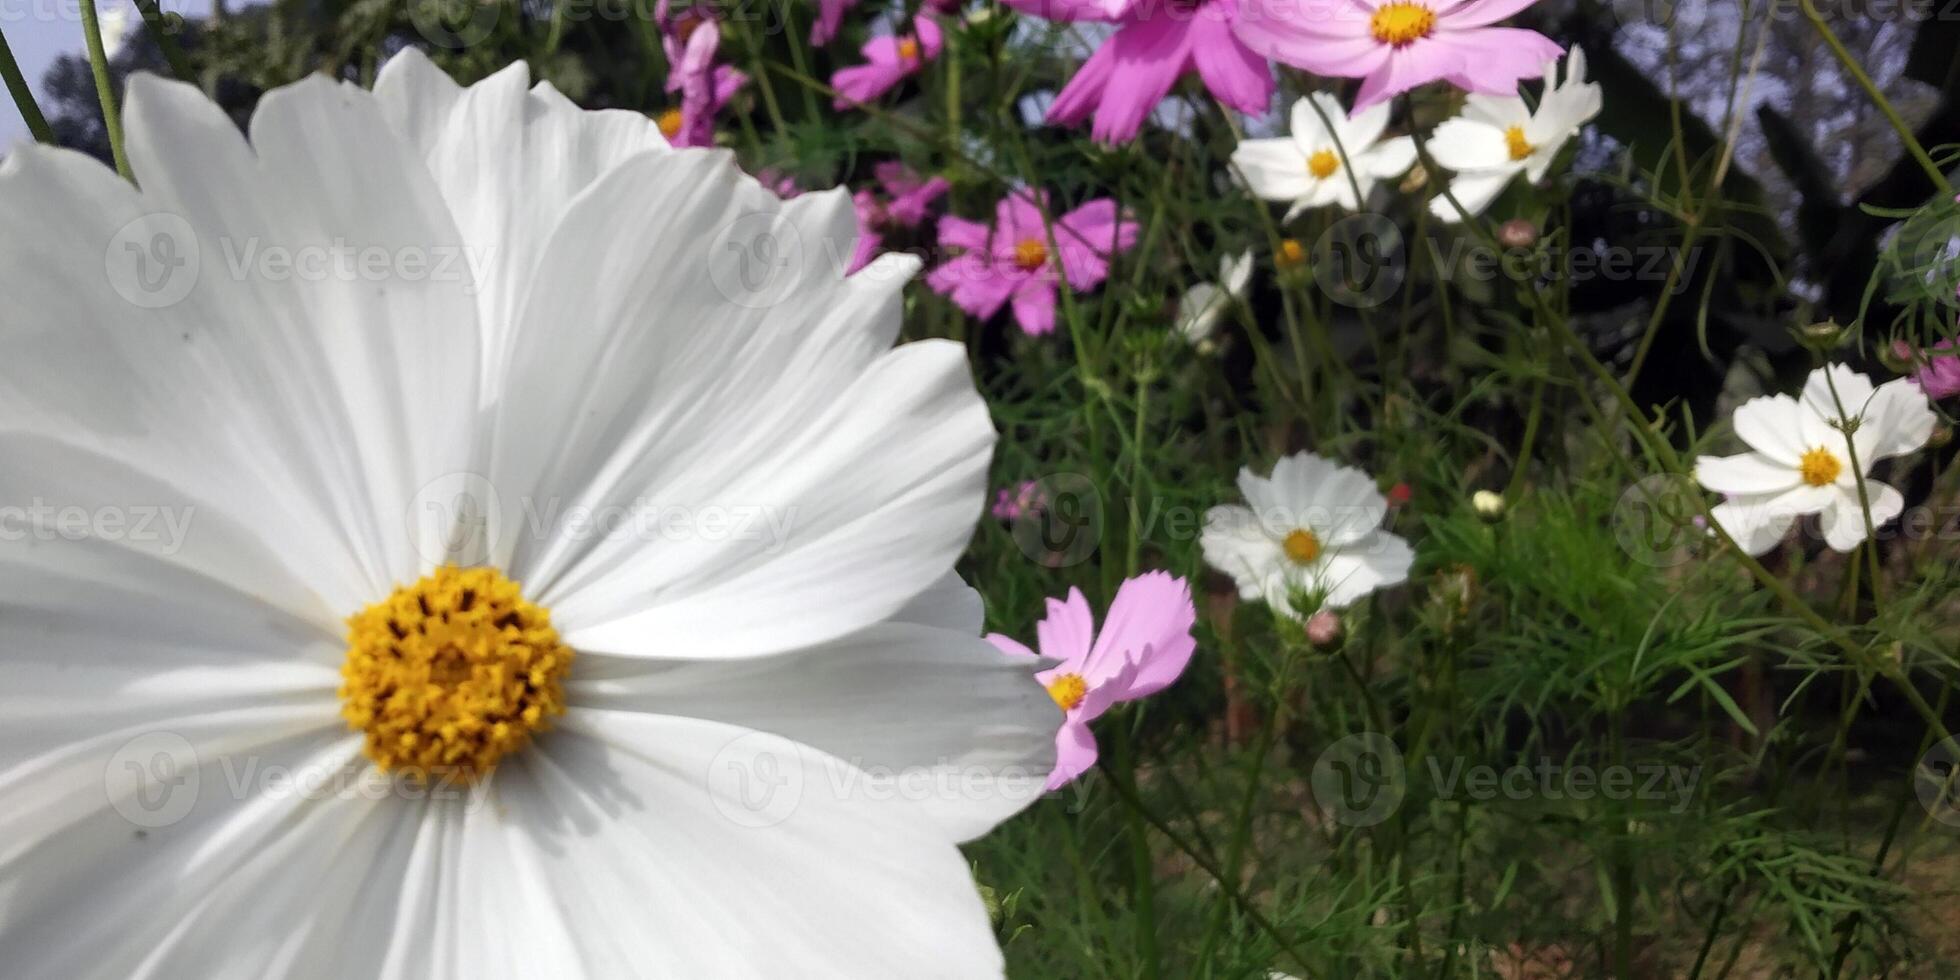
1291 253
1518 145
1031 254
1068 690
1323 163
1402 23
1819 467
1301 546
451 674
669 123
908 48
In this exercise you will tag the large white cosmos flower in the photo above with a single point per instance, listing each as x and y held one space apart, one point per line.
706 747
1498 137
1313 528
1328 159
1800 462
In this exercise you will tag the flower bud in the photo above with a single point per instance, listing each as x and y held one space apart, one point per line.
1325 630
1821 337
1517 233
1488 504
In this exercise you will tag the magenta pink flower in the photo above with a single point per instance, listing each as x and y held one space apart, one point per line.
692 123
1012 505
1144 645
691 39
910 196
1937 374
870 215
889 59
1156 43
1396 45
1013 260
830 16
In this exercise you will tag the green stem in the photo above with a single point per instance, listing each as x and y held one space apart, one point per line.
23 96
1142 874
98 60
160 30
1878 98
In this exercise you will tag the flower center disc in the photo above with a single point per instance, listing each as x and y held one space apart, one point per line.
1030 254
1323 163
1068 690
670 123
908 49
1402 23
1518 145
1291 253
450 674
1819 467
1301 546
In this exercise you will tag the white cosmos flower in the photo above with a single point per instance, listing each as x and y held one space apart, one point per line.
775 729
1201 306
1327 162
1314 526
1799 461
1498 137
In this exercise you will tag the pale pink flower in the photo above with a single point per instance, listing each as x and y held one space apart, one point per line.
691 40
1145 643
1014 260
889 59
910 196
1156 43
1397 45
692 122
1012 505
830 16
1936 370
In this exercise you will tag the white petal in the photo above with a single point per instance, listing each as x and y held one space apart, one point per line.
1273 169
1830 394
1311 128
1360 133
1389 159
1373 563
1897 420
1757 523
1844 521
1773 426
1745 473
968 727
1234 542
1473 191
509 159
684 848
949 604
1198 310
1340 504
1235 273
1464 144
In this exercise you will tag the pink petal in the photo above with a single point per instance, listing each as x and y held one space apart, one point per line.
957 232
1479 13
1233 72
1068 631
1494 59
863 83
1418 64
1010 646
1150 622
830 16
1075 753
1034 307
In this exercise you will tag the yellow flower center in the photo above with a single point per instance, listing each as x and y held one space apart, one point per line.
1402 23
1291 253
908 49
1068 690
1301 546
1323 163
1519 146
1031 254
669 123
1820 467
450 674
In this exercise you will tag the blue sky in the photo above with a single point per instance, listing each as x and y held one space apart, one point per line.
41 30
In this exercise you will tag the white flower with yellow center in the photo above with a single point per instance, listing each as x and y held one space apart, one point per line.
400 700
1498 137
1800 462
1313 528
1330 160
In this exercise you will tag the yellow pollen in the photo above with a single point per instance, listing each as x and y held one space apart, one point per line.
1519 146
451 674
1031 254
670 123
1301 546
1323 163
1402 23
1291 253
908 49
1068 690
1820 467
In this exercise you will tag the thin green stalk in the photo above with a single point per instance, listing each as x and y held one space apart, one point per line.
159 29
1864 80
30 112
1143 874
98 60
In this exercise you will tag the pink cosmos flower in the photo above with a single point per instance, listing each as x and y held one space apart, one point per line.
1012 260
1011 505
1144 645
692 123
910 196
830 16
1156 43
889 60
1396 45
691 39
870 215
1937 374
